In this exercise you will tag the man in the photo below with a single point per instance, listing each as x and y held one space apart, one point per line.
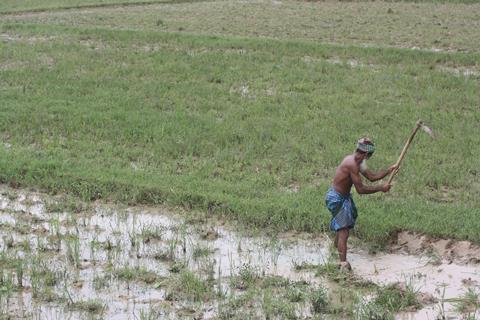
339 200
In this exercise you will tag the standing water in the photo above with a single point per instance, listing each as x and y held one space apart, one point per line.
108 262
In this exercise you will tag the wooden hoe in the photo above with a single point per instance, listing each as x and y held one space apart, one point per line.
418 125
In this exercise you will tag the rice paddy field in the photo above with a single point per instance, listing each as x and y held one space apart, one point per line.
236 112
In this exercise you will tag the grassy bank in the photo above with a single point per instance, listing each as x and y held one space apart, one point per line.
245 127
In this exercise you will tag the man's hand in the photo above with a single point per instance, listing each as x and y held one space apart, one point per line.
386 187
393 168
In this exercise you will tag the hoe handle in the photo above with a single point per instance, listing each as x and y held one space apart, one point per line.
404 151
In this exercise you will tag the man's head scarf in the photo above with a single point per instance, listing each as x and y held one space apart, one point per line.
365 145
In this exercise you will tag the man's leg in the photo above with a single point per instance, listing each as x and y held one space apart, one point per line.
341 243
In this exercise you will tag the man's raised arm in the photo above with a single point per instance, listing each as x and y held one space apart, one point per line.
364 189
375 176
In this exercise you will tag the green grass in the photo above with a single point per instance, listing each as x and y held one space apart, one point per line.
273 297
395 299
319 300
469 303
244 127
136 274
187 286
389 300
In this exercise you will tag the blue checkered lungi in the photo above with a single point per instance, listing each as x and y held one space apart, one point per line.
344 212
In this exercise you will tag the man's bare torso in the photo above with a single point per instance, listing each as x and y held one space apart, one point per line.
342 181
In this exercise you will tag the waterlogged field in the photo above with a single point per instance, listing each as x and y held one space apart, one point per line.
136 263
240 110
63 259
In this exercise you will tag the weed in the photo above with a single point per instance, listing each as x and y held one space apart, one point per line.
90 306
206 269
41 275
220 293
387 301
22 228
136 274
48 295
20 265
319 300
151 232
177 266
188 286
441 315
25 246
172 249
468 304
132 236
200 251
295 294
275 247
66 203
12 196
395 299
8 241
108 245
209 234
183 233
161 255
73 250
6 283
101 282
304 266
55 227
247 277
239 307
332 272
274 282
8 260
369 310
274 308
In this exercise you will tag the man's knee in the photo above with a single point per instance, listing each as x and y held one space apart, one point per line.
343 233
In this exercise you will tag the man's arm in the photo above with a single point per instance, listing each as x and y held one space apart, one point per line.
375 176
364 189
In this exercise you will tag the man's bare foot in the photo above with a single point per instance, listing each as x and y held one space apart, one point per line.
345 266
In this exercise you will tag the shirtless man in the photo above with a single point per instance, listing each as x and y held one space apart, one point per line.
339 200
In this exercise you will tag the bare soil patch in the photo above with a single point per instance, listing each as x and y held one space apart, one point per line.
461 252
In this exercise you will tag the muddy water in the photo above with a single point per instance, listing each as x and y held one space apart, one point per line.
144 238
85 249
438 280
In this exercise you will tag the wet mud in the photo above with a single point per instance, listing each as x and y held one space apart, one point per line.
106 261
